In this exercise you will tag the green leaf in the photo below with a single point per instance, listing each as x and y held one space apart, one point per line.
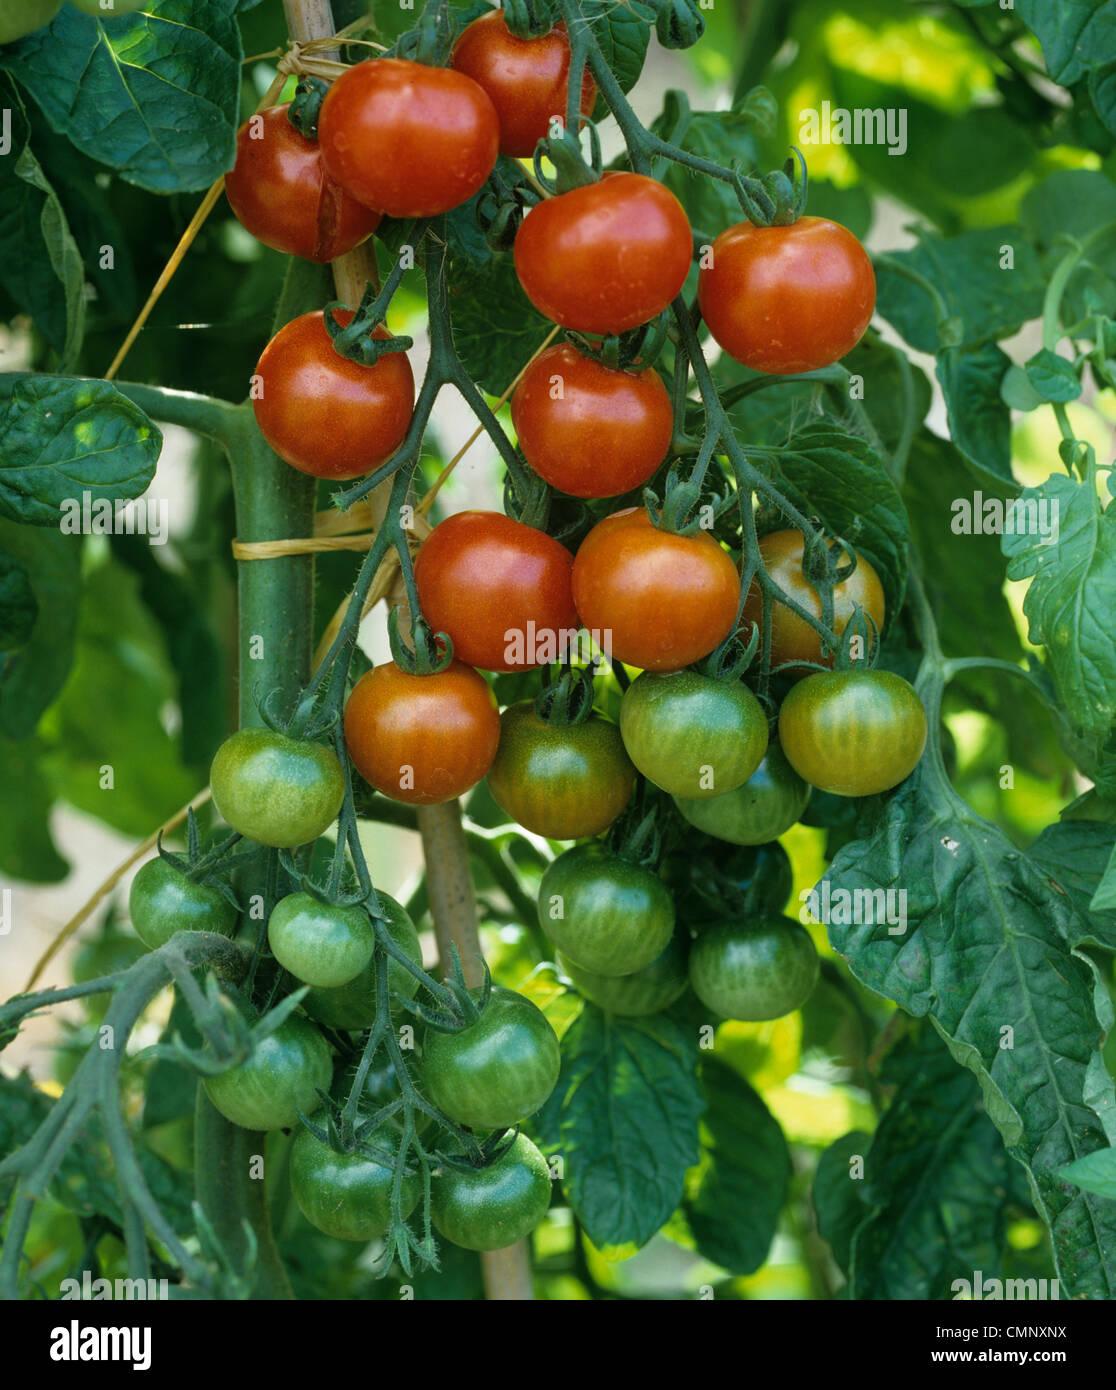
623 32
64 439
985 954
19 607
838 1203
1072 596
897 394
40 265
27 848
31 677
624 1115
495 327
1017 392
1104 899
731 138
1093 1173
936 1179
1076 855
1053 377
743 1183
979 421
152 95
1072 33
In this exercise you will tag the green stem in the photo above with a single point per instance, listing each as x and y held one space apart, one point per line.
205 415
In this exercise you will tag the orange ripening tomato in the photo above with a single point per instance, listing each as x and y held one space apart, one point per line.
324 414
588 429
422 739
605 257
787 299
658 601
500 589
408 139
526 79
280 192
792 638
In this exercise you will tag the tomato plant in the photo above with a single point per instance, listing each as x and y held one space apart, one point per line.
283 1075
643 992
353 1005
162 900
760 809
754 970
347 1195
321 944
492 1207
275 789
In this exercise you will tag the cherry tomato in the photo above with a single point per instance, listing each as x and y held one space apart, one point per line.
605 914
281 193
526 79
605 257
320 943
754 970
765 807
692 735
710 882
562 781
494 1207
162 901
322 413
25 16
792 638
407 139
281 1077
501 590
497 1071
853 733
644 992
422 739
787 299
276 790
659 601
588 429
347 1195
352 1006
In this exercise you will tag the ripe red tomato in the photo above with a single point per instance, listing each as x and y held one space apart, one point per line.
606 257
422 739
589 430
659 601
501 590
324 414
792 638
525 78
787 299
407 139
279 190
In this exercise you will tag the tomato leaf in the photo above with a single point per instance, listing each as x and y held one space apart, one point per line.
1078 856
837 1193
988 954
1093 1173
624 1115
1072 595
495 326
66 439
27 848
979 420
1104 899
743 1181
623 32
1053 377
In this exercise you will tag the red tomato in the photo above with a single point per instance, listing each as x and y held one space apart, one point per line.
659 601
606 257
788 299
408 139
589 430
500 589
422 739
279 190
324 414
525 78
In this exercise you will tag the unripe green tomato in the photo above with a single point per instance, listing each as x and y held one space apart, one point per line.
765 807
279 791
162 901
20 17
319 943
753 971
647 991
692 735
281 1077
352 1006
492 1208
347 1195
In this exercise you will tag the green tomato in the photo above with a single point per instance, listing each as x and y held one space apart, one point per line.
497 1071
347 1195
163 901
603 913
765 807
647 991
753 971
319 943
278 791
352 1006
282 1077
692 735
713 882
22 17
492 1208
